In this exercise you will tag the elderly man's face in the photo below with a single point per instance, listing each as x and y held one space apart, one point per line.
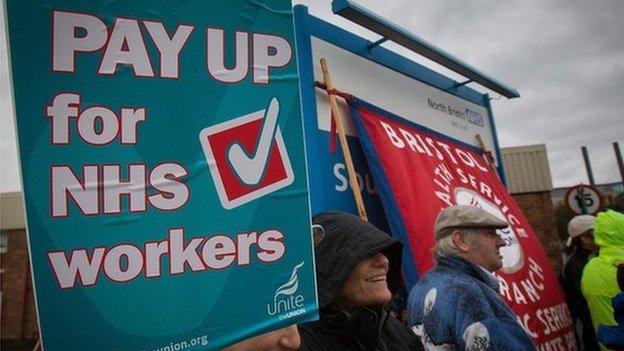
367 286
484 250
279 340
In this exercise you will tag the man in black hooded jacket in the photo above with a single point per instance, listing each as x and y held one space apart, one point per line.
357 270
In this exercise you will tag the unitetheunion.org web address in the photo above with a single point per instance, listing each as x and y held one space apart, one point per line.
181 345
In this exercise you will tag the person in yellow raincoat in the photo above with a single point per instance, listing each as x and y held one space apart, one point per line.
599 281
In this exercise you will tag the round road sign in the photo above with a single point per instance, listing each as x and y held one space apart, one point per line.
585 196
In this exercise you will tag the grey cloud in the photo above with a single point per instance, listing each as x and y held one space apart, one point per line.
566 59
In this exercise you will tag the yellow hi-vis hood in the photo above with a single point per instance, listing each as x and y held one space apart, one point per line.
609 235
599 283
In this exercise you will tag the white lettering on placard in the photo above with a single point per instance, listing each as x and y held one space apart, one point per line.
79 266
97 125
114 187
125 262
113 263
215 58
65 43
104 182
125 44
171 193
168 47
84 192
270 242
269 51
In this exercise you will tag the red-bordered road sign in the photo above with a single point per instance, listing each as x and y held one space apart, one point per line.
584 199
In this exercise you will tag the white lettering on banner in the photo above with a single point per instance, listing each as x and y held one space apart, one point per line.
554 318
565 343
365 182
570 340
484 189
524 322
125 262
443 181
125 44
431 147
526 290
457 178
555 344
442 173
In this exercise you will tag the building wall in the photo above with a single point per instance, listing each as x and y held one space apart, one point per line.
19 319
527 169
539 211
12 210
529 182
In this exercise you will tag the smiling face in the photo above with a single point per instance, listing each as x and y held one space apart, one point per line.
483 248
367 286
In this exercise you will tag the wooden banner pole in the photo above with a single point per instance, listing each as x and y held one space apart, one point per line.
359 202
488 154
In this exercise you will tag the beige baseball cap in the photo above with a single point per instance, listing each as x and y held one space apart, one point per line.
579 225
465 216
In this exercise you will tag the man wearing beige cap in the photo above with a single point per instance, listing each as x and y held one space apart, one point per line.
456 305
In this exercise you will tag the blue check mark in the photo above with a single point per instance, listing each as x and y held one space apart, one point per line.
250 168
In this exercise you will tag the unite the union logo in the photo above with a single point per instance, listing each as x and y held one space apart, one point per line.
286 303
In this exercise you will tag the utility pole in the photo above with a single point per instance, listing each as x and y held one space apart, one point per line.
618 157
590 175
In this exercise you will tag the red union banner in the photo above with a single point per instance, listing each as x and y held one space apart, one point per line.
419 172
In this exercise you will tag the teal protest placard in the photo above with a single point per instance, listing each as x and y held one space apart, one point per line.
164 173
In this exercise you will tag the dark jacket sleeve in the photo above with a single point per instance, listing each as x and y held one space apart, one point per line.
571 284
402 338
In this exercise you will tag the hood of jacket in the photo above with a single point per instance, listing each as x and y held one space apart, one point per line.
346 241
609 235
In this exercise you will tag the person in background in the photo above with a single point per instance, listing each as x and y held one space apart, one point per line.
357 270
599 281
456 305
613 337
581 245
278 340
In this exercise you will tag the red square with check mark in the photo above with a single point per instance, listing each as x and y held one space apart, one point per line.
247 156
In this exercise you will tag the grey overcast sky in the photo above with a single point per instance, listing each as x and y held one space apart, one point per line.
566 59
